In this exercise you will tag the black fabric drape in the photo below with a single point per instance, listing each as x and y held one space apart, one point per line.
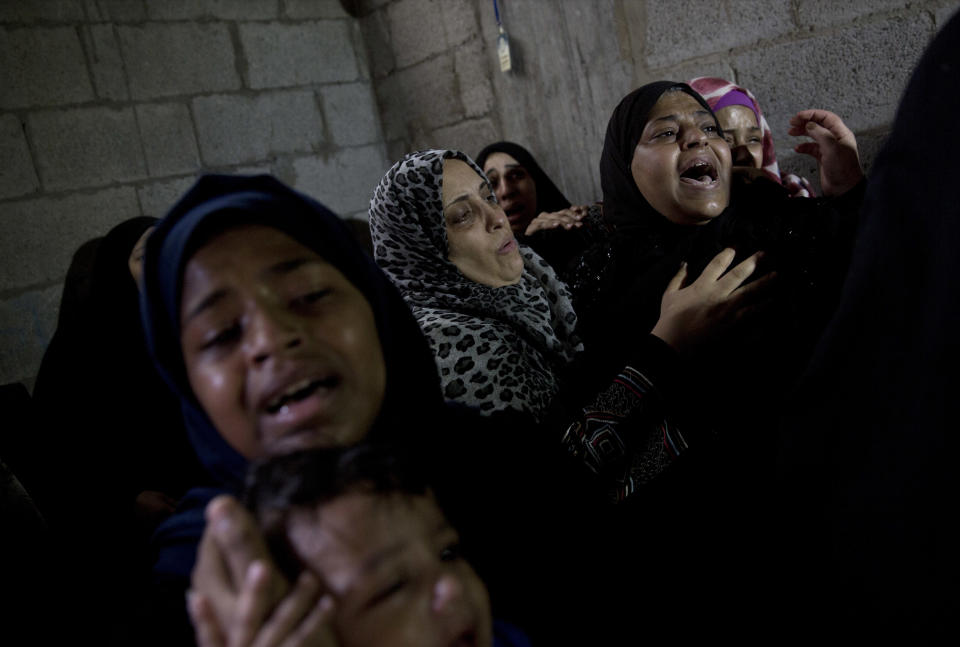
869 443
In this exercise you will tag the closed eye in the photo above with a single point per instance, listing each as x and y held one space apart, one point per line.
310 298
223 337
458 218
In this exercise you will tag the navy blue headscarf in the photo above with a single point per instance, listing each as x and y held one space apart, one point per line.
217 203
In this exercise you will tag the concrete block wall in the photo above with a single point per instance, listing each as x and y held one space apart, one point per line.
109 109
438 81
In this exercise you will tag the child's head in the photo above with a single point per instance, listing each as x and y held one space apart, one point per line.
364 521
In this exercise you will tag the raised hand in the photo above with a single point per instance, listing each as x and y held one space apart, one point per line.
834 147
566 218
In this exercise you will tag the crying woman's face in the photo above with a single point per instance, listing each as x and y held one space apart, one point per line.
681 163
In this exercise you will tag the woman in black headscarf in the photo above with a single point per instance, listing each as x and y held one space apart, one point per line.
117 456
669 203
669 199
538 212
97 374
525 194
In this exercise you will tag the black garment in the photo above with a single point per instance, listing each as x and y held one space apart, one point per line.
869 443
110 430
712 511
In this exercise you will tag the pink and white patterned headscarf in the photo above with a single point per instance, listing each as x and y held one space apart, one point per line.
715 90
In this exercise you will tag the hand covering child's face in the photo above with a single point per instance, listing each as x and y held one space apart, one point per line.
393 567
681 163
281 350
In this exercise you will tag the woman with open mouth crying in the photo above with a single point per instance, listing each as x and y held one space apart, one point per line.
670 204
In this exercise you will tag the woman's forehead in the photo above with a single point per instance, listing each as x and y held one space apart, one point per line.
675 102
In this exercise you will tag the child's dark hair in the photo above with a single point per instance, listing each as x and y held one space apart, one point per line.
305 479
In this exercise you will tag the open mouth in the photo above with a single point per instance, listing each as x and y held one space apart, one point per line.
700 172
300 391
514 211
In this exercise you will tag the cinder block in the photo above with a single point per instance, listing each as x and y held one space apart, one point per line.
14 11
300 9
473 76
858 72
351 114
42 67
256 169
459 21
27 323
280 55
182 58
106 64
868 145
168 140
416 30
114 10
467 136
674 35
419 98
86 147
156 198
17 176
344 181
376 37
38 237
718 66
241 129
829 13
218 9
396 149
943 15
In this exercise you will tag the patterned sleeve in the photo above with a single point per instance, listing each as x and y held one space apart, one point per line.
622 435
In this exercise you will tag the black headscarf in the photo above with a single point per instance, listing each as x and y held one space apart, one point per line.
623 204
214 204
871 438
549 197
97 373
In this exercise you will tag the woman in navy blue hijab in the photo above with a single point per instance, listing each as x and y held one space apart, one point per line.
277 332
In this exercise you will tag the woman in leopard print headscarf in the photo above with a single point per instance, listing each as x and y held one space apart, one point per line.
501 336
502 326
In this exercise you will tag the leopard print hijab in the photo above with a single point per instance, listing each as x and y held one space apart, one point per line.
497 348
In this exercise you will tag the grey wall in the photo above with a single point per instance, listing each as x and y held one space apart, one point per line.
109 108
438 80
